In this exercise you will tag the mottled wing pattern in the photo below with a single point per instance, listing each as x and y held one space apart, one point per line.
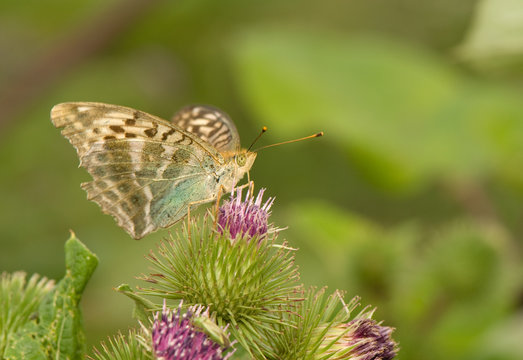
209 124
137 162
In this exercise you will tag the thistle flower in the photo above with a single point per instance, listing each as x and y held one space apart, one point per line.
359 339
246 284
245 218
323 330
175 336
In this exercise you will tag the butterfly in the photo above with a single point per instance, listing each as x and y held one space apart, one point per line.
148 172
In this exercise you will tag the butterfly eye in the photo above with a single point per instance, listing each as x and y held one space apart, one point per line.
240 159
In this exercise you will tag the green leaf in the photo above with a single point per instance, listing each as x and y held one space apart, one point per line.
443 291
462 283
403 117
354 253
121 347
19 301
57 332
142 306
495 40
502 341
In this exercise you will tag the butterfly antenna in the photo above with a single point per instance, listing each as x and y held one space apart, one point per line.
264 129
291 141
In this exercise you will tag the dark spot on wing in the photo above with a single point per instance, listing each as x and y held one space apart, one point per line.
166 134
110 195
120 168
119 157
219 144
125 207
131 122
214 131
96 130
84 117
130 135
101 184
124 187
98 171
181 156
109 137
102 157
195 129
117 128
118 145
146 173
151 132
172 172
137 200
151 150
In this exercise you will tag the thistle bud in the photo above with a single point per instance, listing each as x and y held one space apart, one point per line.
359 339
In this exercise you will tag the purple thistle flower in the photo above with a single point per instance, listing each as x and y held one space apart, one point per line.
371 340
245 218
175 337
366 339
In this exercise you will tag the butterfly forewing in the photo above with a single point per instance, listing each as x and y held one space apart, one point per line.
138 162
210 124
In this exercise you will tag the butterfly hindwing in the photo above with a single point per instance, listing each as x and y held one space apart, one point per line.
210 124
137 162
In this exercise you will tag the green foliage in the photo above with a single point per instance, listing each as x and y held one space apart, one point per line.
121 347
142 306
502 341
56 329
19 301
410 134
443 290
310 320
494 42
399 114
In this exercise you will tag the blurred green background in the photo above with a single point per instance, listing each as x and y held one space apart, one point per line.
412 200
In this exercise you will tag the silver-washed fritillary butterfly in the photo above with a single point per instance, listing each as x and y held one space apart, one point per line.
147 172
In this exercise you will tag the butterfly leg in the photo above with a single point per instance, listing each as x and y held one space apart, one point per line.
221 191
250 186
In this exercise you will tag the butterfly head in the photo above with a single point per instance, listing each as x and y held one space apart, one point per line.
239 163
243 161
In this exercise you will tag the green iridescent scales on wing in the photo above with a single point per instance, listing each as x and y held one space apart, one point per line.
146 171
